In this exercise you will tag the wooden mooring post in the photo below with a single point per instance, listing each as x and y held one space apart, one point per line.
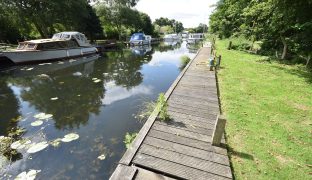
218 130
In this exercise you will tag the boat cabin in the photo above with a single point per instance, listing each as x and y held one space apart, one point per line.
196 36
63 40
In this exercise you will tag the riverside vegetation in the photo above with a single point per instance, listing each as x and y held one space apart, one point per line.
268 105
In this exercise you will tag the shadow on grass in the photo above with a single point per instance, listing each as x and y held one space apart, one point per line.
301 72
240 154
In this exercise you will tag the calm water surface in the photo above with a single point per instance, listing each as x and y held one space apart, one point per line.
101 111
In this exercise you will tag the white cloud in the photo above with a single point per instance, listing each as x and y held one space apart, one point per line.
189 12
116 93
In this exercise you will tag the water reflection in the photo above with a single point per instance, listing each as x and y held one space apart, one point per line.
141 50
93 97
9 108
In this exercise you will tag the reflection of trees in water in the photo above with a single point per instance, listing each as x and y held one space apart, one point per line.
163 47
9 108
124 68
78 96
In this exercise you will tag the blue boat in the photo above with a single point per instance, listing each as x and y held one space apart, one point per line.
139 39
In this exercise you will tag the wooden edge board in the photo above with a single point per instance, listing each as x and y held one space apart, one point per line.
124 172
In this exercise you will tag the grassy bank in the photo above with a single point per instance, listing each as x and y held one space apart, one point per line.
269 109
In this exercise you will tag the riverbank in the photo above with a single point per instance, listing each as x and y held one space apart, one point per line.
269 108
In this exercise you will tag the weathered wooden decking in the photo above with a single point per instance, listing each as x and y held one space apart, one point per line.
181 148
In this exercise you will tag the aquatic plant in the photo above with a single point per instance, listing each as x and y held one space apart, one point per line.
162 106
146 110
129 138
184 61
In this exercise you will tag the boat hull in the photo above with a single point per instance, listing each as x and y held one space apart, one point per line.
24 57
140 42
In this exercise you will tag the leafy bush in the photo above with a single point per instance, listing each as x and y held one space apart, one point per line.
163 107
184 61
129 138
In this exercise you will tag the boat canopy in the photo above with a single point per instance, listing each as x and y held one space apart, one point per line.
137 37
79 37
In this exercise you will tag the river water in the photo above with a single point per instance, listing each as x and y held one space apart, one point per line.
94 98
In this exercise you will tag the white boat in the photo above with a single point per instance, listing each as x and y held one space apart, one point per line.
195 37
63 45
171 37
140 39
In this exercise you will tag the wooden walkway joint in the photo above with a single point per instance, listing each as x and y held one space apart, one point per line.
182 148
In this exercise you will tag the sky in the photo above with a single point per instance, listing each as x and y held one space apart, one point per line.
189 12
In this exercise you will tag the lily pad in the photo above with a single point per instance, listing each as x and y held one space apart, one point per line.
29 69
72 60
54 98
77 74
36 147
101 157
43 76
43 116
105 74
93 79
70 137
37 123
30 175
20 144
97 81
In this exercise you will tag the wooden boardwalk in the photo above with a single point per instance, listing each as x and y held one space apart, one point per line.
181 148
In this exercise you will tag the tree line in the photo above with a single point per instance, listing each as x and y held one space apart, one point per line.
283 27
111 19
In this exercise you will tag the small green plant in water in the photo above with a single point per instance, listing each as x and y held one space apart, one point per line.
146 110
163 107
129 138
184 61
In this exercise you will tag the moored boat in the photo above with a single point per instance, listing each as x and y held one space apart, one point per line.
62 45
140 39
195 37
171 37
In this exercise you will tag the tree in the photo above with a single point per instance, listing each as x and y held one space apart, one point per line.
48 16
279 24
165 22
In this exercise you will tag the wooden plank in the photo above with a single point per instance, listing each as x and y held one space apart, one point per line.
190 151
180 115
173 169
183 133
193 112
143 174
131 151
123 172
187 127
193 104
199 102
195 108
206 90
189 161
195 98
187 120
186 141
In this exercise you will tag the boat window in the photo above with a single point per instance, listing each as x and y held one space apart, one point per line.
50 45
77 37
31 46
138 37
21 46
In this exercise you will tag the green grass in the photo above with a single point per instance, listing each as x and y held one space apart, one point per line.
268 105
